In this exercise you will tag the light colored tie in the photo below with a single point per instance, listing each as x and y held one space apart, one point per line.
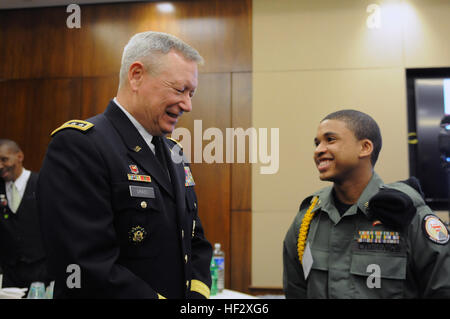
15 200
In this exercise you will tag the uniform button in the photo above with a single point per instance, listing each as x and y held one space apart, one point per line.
187 283
195 205
185 258
182 233
144 204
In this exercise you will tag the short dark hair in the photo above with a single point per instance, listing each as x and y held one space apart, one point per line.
363 126
12 146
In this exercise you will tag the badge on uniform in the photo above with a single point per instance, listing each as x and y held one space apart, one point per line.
134 169
3 200
188 178
378 237
137 234
143 192
435 229
378 240
139 178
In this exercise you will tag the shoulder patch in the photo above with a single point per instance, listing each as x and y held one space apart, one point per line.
76 124
435 230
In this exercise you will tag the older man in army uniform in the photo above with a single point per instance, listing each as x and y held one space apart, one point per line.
117 201
361 238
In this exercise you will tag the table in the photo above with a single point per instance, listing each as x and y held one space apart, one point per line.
231 294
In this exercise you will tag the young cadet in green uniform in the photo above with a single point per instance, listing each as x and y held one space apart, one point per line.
361 238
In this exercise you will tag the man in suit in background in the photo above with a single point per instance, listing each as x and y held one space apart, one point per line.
22 255
119 215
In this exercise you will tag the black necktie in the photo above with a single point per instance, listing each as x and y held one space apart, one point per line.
159 152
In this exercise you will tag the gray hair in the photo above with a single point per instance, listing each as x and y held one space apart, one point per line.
149 46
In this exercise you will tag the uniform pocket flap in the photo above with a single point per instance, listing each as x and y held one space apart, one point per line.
390 267
320 259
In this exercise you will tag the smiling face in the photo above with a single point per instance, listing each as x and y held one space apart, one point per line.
10 163
339 155
162 98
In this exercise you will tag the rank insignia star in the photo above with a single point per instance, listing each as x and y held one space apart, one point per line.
137 234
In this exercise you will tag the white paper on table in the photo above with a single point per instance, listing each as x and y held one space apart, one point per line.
12 293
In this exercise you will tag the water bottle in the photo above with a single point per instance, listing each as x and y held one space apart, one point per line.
49 290
219 260
1 277
37 290
213 269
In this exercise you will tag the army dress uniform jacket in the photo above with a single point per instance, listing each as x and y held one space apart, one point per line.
110 210
356 256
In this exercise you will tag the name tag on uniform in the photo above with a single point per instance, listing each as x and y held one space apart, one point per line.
140 191
307 261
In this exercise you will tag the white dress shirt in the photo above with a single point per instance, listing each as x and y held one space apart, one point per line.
21 184
145 135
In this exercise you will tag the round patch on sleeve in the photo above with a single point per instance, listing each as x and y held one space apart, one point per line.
435 230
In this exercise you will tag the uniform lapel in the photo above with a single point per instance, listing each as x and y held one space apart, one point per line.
138 148
3 198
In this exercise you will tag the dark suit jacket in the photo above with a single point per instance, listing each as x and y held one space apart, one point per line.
20 234
130 238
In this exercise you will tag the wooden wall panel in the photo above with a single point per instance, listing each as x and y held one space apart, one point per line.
36 44
96 94
241 118
52 102
13 109
241 252
220 30
32 109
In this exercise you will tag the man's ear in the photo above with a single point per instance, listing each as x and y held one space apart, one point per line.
136 75
366 148
20 157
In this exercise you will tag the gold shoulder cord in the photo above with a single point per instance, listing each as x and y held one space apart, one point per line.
303 232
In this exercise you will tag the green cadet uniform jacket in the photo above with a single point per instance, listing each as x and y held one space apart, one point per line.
358 256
